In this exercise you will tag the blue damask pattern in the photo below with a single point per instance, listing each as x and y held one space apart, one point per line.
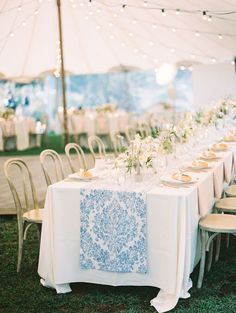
113 231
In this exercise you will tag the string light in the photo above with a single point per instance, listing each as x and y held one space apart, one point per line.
204 15
81 4
134 22
122 44
173 30
151 43
182 67
172 50
145 4
232 62
154 26
220 36
111 37
131 34
115 15
11 34
98 26
36 12
213 60
136 50
177 11
197 34
163 13
110 24
57 71
209 18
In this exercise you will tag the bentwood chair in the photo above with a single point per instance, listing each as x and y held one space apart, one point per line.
95 141
226 206
117 142
25 199
52 166
231 191
213 225
80 157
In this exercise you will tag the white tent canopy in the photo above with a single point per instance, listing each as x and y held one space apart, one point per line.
99 35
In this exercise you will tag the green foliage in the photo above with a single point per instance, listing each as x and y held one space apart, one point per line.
22 292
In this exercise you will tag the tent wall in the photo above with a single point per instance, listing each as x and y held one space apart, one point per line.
212 82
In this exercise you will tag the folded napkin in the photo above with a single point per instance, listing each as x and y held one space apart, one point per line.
220 147
182 177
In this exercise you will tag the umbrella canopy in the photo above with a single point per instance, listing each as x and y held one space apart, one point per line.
99 35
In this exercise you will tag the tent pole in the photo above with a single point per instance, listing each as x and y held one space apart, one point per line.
62 72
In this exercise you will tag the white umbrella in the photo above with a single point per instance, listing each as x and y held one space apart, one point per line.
99 35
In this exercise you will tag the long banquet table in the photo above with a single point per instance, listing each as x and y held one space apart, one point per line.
172 232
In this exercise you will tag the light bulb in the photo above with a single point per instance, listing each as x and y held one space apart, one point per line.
163 13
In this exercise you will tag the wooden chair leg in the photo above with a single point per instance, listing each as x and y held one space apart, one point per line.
218 244
227 240
20 250
39 226
203 257
210 256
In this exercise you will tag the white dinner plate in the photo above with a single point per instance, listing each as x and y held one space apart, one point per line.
170 180
80 177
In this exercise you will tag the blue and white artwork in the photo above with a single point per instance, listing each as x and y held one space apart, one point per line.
136 91
133 91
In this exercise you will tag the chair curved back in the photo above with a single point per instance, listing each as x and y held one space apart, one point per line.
52 155
22 202
117 142
144 130
80 156
96 141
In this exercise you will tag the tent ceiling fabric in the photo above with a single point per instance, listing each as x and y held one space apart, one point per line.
99 36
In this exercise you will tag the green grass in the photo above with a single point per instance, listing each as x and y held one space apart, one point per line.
22 293
55 142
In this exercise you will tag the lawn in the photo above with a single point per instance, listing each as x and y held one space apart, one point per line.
22 293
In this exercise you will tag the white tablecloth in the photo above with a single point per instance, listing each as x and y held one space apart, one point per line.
172 223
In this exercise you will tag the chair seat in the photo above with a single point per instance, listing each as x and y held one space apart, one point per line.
223 223
35 216
231 191
226 205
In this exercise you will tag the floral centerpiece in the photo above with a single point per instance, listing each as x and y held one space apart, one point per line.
107 108
139 154
7 113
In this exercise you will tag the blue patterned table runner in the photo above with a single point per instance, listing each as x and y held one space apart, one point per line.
113 231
